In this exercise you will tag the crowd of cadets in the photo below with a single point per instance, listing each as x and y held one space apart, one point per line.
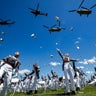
74 78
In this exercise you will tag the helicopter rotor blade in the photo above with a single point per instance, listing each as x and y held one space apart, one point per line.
37 6
84 8
9 23
31 9
81 4
46 26
53 26
72 10
93 6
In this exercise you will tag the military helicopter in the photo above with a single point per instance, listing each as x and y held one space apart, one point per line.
53 28
6 22
37 12
83 11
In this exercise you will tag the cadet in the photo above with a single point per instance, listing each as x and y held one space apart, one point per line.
36 71
67 69
35 77
10 63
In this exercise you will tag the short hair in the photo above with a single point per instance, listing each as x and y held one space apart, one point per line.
17 54
66 54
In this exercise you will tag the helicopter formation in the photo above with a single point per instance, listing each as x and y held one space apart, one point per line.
84 10
80 10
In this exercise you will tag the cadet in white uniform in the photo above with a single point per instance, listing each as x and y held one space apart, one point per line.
76 76
35 77
36 71
67 69
54 80
44 80
10 63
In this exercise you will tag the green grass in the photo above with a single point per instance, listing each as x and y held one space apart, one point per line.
87 91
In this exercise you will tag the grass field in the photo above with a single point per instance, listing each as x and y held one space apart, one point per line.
87 91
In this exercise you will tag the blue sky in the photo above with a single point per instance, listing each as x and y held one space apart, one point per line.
79 43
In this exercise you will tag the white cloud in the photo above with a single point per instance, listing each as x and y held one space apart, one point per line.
88 61
15 80
24 71
89 72
80 67
55 63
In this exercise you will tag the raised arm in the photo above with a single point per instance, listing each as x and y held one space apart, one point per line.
59 52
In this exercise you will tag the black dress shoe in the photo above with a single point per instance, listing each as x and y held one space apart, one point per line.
73 93
68 94
35 92
29 92
78 89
